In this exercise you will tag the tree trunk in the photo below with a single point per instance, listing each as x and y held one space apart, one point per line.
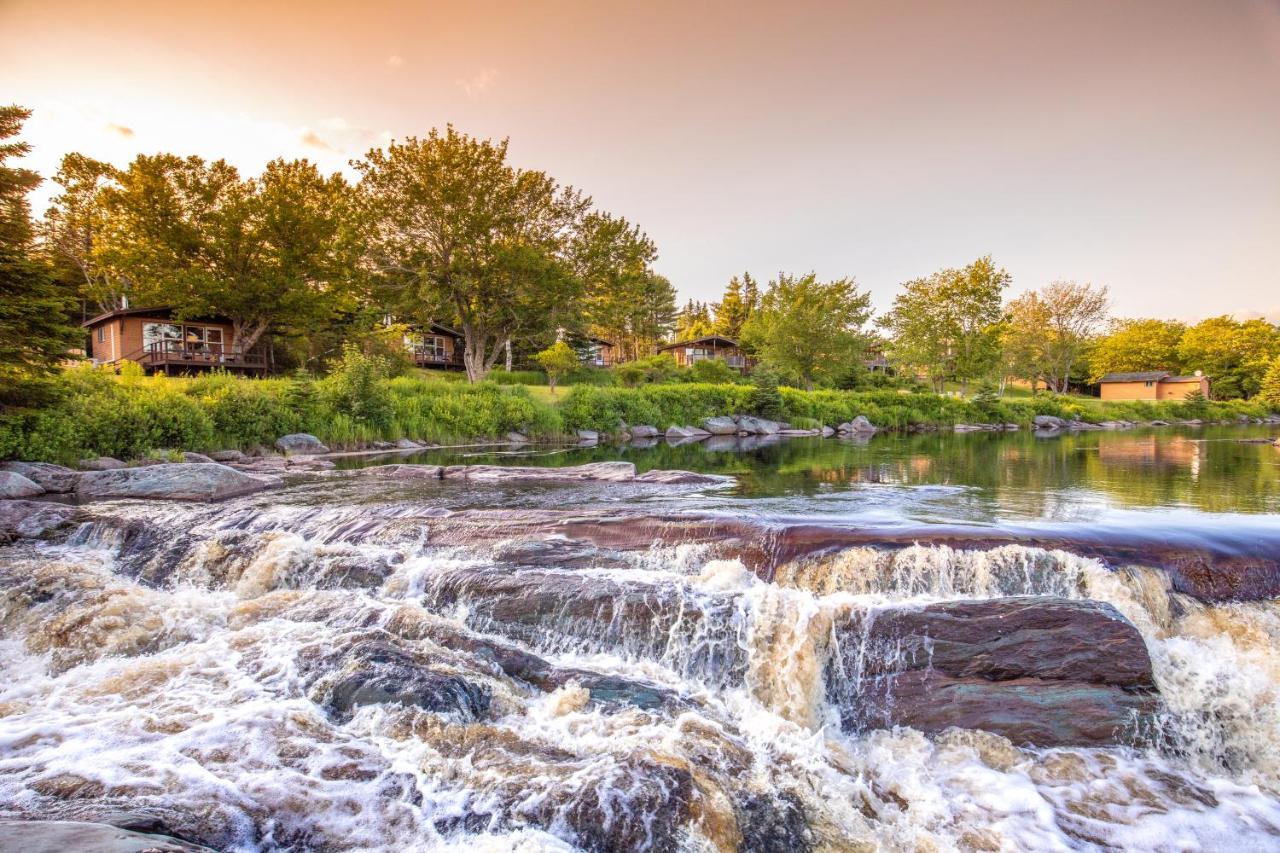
246 333
508 346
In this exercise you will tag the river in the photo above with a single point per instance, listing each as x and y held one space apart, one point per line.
366 662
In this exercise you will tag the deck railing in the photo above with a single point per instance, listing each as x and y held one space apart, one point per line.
163 353
431 358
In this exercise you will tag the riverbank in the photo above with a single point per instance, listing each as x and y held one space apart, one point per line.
132 417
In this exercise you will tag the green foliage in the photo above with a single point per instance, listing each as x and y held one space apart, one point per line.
1136 345
517 377
603 409
647 371
1234 355
355 389
765 400
714 371
808 329
557 360
1269 391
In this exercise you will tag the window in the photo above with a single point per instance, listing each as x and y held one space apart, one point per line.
102 334
428 347
1150 384
161 337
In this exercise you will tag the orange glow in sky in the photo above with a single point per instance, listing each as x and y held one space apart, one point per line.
1132 144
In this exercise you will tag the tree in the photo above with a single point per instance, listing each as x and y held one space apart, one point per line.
459 233
74 224
1136 345
1269 391
1046 333
807 328
732 311
948 325
195 236
1234 355
694 321
557 360
34 333
625 301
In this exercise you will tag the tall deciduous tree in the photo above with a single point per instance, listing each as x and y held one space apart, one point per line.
1269 392
465 235
74 225
1136 345
34 333
948 325
809 329
1234 355
1046 332
625 301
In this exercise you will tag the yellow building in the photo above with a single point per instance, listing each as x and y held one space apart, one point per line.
1152 385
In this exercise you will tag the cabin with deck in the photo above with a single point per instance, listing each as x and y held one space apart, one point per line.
160 343
599 353
435 346
686 353
1152 385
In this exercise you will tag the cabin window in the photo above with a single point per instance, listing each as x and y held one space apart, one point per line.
161 336
427 346
203 338
102 334
1150 384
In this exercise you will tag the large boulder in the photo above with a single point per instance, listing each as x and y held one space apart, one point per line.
588 436
172 481
757 426
65 836
681 432
860 424
101 463
46 475
13 485
30 519
196 458
300 444
1037 670
721 426
1048 422
644 431
227 456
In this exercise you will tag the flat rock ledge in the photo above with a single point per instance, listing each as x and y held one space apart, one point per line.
21 519
1041 671
599 472
210 481
64 836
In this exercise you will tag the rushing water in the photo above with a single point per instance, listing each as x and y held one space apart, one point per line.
365 663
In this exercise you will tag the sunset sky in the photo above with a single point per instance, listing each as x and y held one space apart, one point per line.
1131 144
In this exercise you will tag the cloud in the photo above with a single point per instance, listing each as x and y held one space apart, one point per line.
311 139
1271 314
479 84
395 60
120 130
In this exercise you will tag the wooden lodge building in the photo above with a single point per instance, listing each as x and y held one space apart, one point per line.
435 346
686 353
1152 385
152 338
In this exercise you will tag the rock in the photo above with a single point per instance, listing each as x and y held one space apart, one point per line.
1038 670
686 432
226 456
195 458
376 671
101 463
21 519
682 478
381 445
968 427
1159 423
406 444
827 432
46 475
403 472
170 481
300 444
14 485
604 471
720 426
1048 422
1011 427
644 431
861 424
514 437
756 426
588 435
73 836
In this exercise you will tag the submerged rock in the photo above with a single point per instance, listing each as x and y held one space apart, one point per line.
172 481
300 444
14 485
1037 670
46 475
73 836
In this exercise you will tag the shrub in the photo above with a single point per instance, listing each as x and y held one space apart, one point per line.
714 371
355 389
765 400
647 371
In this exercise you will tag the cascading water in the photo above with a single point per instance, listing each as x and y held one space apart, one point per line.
396 676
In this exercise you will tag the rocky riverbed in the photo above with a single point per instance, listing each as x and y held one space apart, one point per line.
430 657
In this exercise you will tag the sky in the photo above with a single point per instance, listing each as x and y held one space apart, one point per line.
1128 143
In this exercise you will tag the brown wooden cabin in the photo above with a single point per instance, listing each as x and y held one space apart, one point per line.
435 346
154 339
1151 385
600 353
710 346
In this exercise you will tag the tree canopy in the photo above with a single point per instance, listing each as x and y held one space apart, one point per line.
1047 332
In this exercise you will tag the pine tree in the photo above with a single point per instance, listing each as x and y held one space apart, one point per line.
731 311
34 332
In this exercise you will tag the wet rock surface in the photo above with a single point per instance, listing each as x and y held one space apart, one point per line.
1037 670
14 485
172 481
65 836
23 519
52 478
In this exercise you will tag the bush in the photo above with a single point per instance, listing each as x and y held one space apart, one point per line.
647 371
714 371
356 390
765 400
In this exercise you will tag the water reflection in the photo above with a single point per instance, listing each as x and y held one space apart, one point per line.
1211 469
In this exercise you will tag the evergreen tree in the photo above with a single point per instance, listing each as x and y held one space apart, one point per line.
732 311
1269 393
34 332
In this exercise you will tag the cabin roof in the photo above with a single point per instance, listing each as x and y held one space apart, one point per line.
1140 376
720 340
164 311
